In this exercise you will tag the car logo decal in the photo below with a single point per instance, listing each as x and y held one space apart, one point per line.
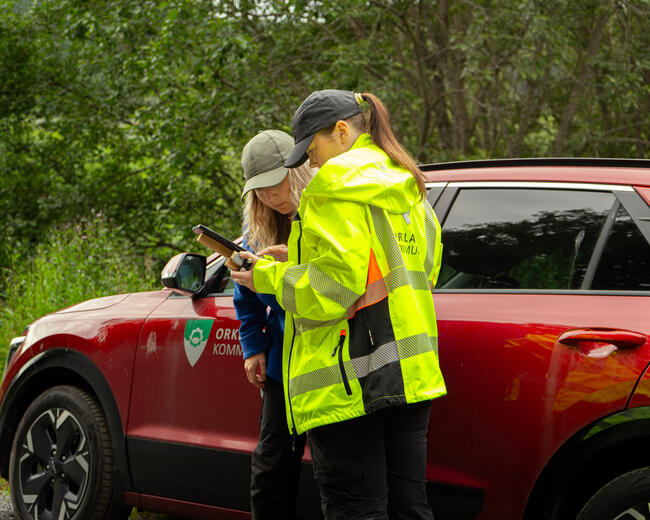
196 338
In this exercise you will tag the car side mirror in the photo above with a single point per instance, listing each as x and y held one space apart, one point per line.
185 273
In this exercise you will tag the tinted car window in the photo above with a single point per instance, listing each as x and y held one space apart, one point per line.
521 238
625 263
218 278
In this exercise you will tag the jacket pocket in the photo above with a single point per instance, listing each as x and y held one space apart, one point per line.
339 348
370 328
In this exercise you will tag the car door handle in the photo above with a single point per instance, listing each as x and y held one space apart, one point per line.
599 342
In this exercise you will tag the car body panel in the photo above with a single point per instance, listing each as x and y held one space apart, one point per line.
106 333
183 509
192 417
207 404
503 366
641 396
585 174
644 191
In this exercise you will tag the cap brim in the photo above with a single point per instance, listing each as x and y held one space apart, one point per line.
299 153
266 179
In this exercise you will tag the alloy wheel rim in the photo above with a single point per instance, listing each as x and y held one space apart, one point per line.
53 465
638 512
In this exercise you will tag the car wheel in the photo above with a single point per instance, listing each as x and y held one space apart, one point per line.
624 498
61 464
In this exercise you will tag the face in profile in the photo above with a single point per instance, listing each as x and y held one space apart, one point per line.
277 197
325 145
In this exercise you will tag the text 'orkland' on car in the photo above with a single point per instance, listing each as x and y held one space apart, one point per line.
543 306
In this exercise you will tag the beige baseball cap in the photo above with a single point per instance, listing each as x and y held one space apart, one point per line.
263 158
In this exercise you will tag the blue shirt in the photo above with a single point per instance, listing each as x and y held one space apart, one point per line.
262 326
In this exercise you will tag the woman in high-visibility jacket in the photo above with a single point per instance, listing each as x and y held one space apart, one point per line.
360 359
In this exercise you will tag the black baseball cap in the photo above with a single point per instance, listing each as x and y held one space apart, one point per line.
320 110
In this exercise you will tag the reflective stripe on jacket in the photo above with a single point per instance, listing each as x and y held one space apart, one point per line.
360 330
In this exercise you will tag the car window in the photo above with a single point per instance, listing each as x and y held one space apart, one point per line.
499 238
625 262
434 191
217 278
228 285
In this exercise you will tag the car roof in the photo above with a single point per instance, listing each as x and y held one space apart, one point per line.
598 171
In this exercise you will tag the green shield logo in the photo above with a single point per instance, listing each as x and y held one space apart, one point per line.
195 339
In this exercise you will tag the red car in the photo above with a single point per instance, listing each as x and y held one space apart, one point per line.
543 306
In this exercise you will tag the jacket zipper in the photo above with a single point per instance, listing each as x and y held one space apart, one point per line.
339 347
294 434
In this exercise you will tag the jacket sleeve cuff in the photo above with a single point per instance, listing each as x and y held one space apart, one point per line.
253 351
265 276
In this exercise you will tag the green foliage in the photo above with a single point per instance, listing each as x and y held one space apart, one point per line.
139 110
76 263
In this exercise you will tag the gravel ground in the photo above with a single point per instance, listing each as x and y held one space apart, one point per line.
7 510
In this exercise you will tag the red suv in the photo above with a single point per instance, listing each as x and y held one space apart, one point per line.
543 307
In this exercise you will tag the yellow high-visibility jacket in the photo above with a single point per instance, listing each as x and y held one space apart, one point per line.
360 329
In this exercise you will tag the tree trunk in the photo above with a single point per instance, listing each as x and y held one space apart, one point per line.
582 75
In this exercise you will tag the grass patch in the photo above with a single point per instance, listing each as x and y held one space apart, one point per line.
77 263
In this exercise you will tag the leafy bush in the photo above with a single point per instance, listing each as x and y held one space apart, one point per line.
78 262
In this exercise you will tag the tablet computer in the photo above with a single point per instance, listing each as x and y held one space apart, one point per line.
226 242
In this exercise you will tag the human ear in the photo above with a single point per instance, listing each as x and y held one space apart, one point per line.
342 130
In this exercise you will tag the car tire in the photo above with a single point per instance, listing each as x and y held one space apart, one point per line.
625 498
61 464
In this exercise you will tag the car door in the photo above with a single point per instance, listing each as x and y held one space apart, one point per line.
194 418
542 306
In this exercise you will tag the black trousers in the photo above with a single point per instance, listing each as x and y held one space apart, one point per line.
275 465
374 467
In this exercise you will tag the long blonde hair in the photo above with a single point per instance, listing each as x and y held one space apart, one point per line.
263 226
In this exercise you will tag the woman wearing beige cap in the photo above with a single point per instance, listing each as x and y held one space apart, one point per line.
272 193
